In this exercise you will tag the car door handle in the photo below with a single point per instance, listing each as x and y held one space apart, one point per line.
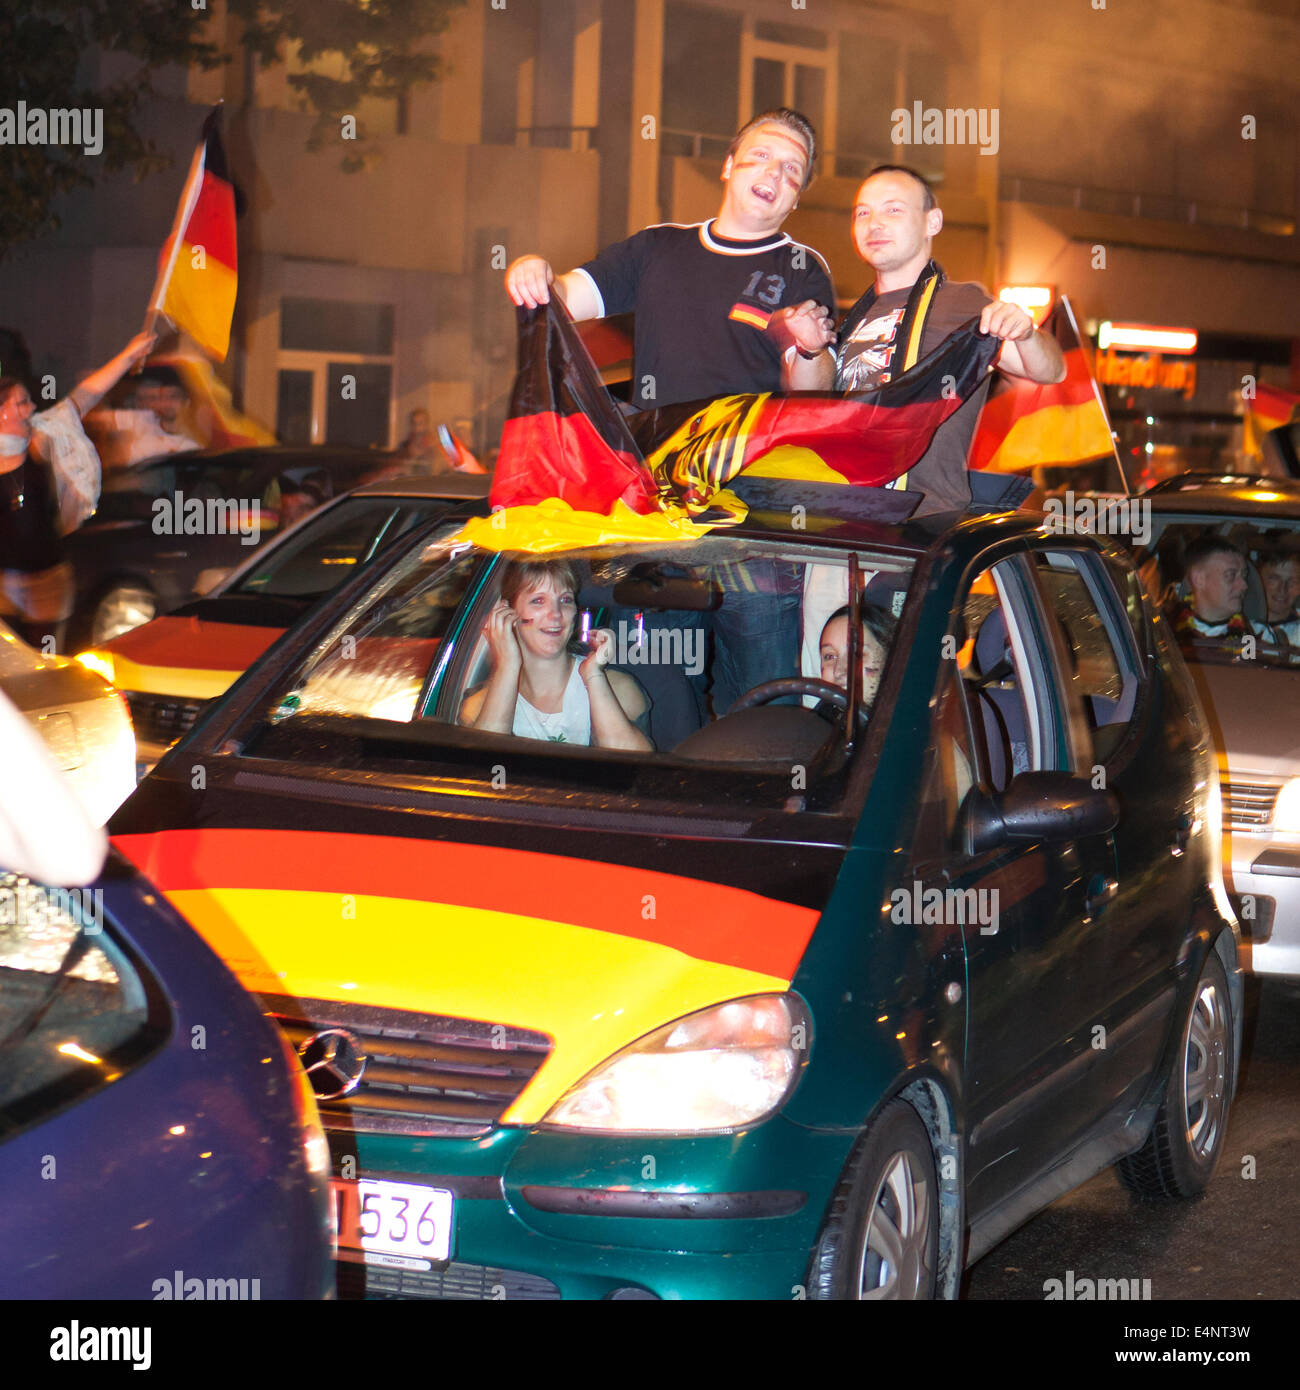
1183 832
1101 892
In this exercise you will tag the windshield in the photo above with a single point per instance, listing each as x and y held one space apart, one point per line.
726 652
320 556
1230 586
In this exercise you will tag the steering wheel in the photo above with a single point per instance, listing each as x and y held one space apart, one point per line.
792 685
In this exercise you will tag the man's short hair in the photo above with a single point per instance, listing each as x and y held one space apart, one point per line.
1273 557
794 121
928 200
1206 547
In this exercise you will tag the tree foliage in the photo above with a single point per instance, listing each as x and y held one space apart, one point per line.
350 50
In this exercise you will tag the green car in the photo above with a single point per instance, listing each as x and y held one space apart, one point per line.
814 990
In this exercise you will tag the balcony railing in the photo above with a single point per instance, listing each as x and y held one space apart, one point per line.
1149 205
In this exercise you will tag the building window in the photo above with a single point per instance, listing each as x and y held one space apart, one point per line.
335 382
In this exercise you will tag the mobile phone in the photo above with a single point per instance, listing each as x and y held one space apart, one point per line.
580 644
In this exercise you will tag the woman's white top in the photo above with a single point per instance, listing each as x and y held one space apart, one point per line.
571 723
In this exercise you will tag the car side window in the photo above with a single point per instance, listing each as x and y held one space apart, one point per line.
996 681
377 668
1101 667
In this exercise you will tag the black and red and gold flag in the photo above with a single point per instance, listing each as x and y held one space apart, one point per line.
197 272
565 438
1024 425
867 438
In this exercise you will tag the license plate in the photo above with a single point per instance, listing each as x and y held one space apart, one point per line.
393 1223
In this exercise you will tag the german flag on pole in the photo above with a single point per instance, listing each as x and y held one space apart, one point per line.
197 275
1024 425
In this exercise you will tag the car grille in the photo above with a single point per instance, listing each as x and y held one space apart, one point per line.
453 1281
161 718
1248 805
424 1074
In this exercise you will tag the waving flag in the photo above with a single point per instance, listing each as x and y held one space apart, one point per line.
197 275
866 437
1270 410
1024 425
565 438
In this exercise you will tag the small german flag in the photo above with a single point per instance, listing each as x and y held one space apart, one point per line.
197 274
747 313
1271 409
1024 425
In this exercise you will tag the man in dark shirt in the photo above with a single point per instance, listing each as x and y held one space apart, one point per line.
912 308
727 306
731 305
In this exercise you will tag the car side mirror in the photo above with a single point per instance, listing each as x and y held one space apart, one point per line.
1038 806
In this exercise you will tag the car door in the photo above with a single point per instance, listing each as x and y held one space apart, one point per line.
1139 886
1023 928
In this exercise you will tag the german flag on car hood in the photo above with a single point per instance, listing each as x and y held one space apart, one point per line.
594 954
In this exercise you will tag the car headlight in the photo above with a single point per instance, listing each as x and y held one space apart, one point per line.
726 1066
101 663
1286 810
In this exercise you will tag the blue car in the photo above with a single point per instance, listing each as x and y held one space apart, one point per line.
157 1139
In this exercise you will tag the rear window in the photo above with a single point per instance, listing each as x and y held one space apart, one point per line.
75 1007
725 654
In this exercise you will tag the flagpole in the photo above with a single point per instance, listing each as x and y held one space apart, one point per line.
1100 399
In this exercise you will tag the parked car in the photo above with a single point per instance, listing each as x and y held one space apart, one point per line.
157 1140
161 524
805 1001
172 666
1251 698
85 722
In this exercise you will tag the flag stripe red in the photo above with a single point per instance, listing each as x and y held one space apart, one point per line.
212 222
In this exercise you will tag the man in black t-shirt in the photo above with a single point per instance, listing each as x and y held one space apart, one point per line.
731 305
912 308
728 306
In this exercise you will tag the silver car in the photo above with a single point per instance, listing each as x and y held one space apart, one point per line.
83 720
1251 695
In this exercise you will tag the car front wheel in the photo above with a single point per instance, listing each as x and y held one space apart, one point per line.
1187 1137
881 1237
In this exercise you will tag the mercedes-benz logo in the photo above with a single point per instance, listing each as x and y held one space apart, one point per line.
334 1063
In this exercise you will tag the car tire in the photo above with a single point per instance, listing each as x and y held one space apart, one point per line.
1185 1142
124 605
881 1237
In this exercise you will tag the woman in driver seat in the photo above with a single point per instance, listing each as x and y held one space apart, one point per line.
540 686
